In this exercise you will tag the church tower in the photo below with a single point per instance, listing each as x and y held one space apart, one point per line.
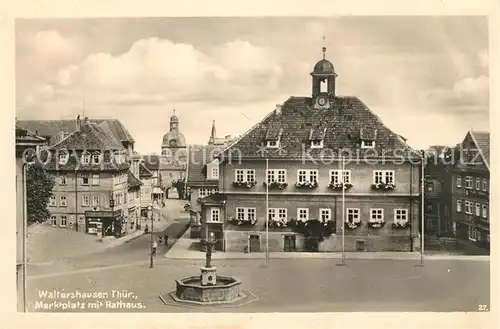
213 135
323 83
174 139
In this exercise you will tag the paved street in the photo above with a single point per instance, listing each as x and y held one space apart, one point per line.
293 285
173 223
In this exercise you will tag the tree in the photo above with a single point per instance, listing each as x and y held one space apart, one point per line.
39 190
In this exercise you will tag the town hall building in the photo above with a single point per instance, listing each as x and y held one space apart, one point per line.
313 148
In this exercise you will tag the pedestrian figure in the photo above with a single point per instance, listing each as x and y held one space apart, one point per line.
166 239
159 239
146 230
155 246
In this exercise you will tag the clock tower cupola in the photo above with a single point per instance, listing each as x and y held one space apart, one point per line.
323 83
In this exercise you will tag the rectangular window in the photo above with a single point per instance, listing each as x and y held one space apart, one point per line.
250 173
215 172
276 175
272 144
245 214
203 192
383 177
270 176
53 220
63 158
459 181
468 182
325 214
303 214
62 201
459 205
335 177
95 201
282 214
52 201
468 207
485 185
95 158
301 176
365 144
307 175
378 177
85 200
86 158
64 221
389 176
430 187
353 215
215 214
62 180
400 215
95 179
485 211
376 215
472 233
478 209
478 184
240 175
316 144
85 179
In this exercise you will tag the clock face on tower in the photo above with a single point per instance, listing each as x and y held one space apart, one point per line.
322 101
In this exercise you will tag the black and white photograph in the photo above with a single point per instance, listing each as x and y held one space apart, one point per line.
257 164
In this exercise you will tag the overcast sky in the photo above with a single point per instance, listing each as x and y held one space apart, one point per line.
427 78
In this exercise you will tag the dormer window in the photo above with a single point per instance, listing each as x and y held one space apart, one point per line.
95 158
273 135
86 158
272 144
317 144
367 144
316 137
63 158
368 136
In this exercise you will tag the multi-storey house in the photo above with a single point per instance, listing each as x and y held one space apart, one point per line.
324 159
470 192
437 192
133 201
56 131
152 163
27 144
91 173
202 181
146 190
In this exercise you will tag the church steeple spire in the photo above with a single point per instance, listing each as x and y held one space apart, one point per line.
213 134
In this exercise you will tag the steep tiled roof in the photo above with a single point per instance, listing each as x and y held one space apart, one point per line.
92 139
345 122
144 172
216 198
152 162
199 156
482 140
133 182
52 128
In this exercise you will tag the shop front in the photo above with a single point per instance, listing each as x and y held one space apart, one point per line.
104 223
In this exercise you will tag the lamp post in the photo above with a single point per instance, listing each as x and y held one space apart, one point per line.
150 214
342 181
25 234
267 213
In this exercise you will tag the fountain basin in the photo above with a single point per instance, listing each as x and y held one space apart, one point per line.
226 289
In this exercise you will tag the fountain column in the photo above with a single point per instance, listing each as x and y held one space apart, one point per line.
208 272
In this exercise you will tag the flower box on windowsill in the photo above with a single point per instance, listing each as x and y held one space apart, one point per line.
376 224
276 185
351 226
277 223
241 222
338 186
309 185
400 225
246 184
383 186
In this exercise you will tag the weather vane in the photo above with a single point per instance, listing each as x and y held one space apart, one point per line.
324 48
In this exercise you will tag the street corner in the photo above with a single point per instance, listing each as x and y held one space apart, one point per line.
245 297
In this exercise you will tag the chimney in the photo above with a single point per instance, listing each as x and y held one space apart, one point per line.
278 109
61 135
86 120
78 124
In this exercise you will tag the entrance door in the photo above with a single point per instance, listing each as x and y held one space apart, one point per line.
289 243
254 243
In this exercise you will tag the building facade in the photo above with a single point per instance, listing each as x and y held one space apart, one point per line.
173 162
471 193
437 193
92 176
27 144
325 162
152 164
146 199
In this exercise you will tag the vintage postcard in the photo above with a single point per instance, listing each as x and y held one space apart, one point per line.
253 164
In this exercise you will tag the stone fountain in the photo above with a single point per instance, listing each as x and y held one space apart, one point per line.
208 288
